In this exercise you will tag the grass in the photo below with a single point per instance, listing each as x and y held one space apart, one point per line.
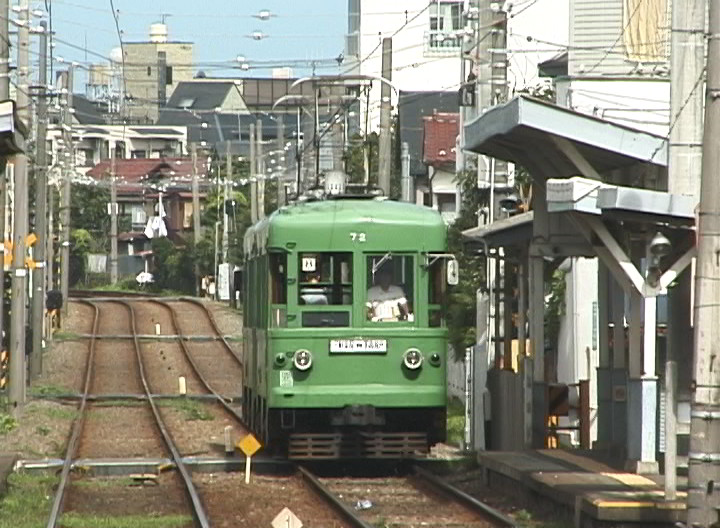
455 423
49 390
60 413
75 520
193 410
27 504
7 423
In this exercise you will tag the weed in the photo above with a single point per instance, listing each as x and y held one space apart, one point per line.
60 413
76 520
192 409
523 515
49 390
27 503
455 423
7 423
42 430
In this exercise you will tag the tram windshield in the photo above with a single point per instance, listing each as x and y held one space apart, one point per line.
325 278
390 288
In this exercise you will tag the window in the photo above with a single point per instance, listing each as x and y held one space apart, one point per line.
278 289
168 75
138 154
325 278
445 22
446 202
149 71
390 288
436 291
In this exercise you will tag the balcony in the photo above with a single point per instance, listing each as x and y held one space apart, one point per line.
442 43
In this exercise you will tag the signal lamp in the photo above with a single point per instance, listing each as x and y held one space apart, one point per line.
435 359
280 359
302 359
412 358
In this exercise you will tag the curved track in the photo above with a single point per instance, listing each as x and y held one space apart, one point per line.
193 500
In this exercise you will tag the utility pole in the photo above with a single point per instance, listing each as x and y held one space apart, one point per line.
253 178
196 211
280 146
41 230
4 96
260 171
384 147
406 182
66 189
226 198
687 65
113 218
704 471
18 313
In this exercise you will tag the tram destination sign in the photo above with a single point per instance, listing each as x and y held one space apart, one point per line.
349 346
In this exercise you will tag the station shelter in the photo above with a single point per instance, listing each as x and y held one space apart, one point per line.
598 190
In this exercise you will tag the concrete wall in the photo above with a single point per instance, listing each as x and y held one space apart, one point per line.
579 333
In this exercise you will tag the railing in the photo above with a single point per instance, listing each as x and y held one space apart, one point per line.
442 43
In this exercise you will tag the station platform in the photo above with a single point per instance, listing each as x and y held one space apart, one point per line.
592 492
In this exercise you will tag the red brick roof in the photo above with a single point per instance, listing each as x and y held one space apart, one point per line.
440 131
138 169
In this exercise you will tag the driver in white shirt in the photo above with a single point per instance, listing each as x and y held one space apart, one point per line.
386 301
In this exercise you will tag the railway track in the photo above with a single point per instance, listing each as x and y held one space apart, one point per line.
421 499
67 485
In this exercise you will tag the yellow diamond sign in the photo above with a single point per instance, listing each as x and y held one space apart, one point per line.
249 445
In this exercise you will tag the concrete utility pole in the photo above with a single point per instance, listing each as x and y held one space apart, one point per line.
687 66
407 183
384 147
226 197
113 218
253 178
66 189
280 146
18 313
704 470
196 211
38 273
260 170
4 96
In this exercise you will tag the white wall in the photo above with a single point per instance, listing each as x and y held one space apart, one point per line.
578 341
643 104
537 31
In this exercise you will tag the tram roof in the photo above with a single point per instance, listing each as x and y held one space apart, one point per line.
327 224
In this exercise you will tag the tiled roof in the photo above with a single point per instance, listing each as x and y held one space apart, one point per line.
136 170
441 130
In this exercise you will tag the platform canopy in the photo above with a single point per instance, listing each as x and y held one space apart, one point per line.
529 131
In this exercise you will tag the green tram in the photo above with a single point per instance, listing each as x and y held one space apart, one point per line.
344 333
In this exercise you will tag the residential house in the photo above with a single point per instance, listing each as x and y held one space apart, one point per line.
142 184
440 133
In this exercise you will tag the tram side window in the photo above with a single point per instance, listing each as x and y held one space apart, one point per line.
325 279
390 292
278 289
278 278
437 291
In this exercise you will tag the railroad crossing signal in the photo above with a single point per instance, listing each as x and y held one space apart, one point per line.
30 239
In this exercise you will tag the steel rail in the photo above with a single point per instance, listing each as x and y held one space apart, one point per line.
330 497
201 518
220 398
78 425
470 501
214 326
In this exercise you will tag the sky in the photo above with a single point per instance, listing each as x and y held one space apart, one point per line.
299 32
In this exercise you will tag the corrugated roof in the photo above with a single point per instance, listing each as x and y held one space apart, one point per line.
441 130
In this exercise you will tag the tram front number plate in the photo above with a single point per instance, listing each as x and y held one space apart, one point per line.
358 345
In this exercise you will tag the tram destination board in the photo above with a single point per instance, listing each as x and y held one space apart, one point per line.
349 346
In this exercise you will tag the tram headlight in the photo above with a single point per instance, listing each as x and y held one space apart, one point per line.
412 359
302 359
